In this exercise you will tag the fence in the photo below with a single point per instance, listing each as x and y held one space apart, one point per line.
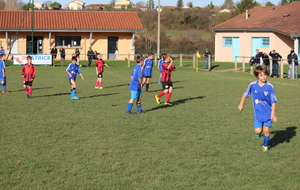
281 63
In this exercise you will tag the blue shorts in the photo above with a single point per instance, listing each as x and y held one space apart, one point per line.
3 79
135 94
258 124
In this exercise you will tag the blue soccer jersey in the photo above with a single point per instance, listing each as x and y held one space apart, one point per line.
2 66
136 74
160 63
73 69
262 99
148 64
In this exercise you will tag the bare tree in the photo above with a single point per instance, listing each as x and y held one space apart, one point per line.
13 5
2 4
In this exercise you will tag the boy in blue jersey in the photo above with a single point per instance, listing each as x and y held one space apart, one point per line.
159 66
72 71
147 70
2 73
136 87
264 104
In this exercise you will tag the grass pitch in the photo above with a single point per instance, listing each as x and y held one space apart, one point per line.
201 142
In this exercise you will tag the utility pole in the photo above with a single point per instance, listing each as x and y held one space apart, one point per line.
158 29
32 27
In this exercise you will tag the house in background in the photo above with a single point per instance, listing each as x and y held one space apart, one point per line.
96 6
75 5
122 3
263 28
104 31
38 5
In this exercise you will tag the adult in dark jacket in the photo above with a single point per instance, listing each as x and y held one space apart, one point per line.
292 56
91 56
53 52
257 57
266 61
207 54
62 52
275 59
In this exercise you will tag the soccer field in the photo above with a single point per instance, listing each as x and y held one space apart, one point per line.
201 142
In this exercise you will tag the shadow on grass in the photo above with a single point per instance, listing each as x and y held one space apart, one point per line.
34 89
214 66
159 90
127 84
181 101
49 95
99 95
282 136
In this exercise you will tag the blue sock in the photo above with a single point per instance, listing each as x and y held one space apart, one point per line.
159 79
4 88
129 107
138 108
266 141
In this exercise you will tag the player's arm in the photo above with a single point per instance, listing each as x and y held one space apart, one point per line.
23 71
96 70
241 106
273 117
141 82
81 76
3 72
33 73
106 65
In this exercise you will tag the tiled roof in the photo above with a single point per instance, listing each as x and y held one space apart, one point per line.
71 20
281 19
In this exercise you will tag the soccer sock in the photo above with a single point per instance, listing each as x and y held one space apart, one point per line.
138 107
266 140
159 79
129 107
30 91
161 94
26 90
4 87
100 83
96 83
147 86
169 95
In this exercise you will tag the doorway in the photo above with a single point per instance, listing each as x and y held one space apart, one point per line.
112 45
37 48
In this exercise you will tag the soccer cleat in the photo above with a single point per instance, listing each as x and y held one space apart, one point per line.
29 96
256 136
100 87
75 98
142 111
168 104
147 92
129 113
157 99
265 149
97 87
5 92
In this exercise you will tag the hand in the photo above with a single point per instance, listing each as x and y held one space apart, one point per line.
274 118
70 75
240 107
82 78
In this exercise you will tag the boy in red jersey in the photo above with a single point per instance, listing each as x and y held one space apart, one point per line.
28 73
99 71
167 85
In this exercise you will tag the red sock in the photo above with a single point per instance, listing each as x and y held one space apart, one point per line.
168 97
100 83
161 94
30 91
26 90
96 83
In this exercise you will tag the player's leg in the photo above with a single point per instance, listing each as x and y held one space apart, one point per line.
26 88
73 89
159 78
97 81
133 96
266 129
3 83
139 103
163 92
169 95
100 81
258 128
147 84
29 87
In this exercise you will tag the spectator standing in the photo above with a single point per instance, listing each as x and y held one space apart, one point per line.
2 74
117 54
53 52
290 57
257 57
77 55
62 52
206 55
275 58
266 61
91 56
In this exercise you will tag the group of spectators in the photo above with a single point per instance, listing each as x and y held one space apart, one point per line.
276 57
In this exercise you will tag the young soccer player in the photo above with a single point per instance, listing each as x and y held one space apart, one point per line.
264 104
28 73
159 66
2 73
72 71
147 68
136 87
99 71
167 85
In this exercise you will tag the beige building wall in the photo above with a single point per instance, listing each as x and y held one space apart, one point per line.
98 43
281 43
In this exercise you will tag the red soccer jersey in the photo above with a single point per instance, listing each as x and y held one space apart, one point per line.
28 71
100 65
166 74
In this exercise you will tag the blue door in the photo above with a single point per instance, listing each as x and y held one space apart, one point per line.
235 48
255 45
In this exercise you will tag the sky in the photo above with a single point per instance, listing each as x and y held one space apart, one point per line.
199 3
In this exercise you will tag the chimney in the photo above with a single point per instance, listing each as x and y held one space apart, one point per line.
247 14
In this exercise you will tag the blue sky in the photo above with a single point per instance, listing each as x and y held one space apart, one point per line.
199 3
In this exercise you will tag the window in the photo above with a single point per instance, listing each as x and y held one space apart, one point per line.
69 41
265 41
227 41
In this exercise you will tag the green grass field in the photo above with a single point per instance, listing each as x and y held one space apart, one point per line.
201 142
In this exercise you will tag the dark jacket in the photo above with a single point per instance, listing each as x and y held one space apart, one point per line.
258 56
62 53
275 57
91 54
206 54
265 59
53 52
290 57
